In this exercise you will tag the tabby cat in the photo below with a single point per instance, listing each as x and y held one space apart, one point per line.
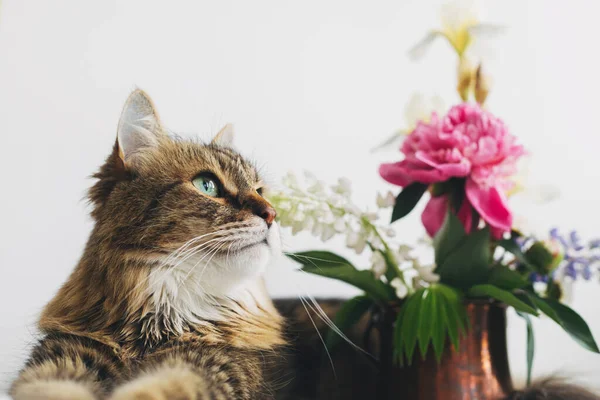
167 300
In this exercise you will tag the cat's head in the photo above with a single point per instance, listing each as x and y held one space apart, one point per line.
192 208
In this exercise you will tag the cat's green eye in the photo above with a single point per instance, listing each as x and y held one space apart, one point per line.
207 185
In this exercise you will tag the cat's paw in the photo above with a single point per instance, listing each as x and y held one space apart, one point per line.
52 390
164 384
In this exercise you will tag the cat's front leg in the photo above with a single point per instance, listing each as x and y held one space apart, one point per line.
174 380
67 367
197 372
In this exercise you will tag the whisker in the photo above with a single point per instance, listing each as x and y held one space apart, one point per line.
320 337
161 268
213 250
325 318
311 258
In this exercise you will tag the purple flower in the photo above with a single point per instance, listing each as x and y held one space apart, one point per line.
586 272
570 270
579 259
575 241
535 277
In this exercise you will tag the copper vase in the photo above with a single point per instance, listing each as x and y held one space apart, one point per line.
478 370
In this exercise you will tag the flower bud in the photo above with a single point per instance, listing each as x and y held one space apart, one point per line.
465 78
482 86
545 256
400 288
378 264
385 201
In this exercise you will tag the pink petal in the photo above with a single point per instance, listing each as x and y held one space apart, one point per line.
497 233
491 204
487 150
405 172
434 214
450 169
395 173
465 214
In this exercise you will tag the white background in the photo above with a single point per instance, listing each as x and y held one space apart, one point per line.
309 85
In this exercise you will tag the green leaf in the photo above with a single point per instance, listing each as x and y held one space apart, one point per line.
428 317
544 307
428 311
318 258
331 265
523 295
530 345
505 278
469 263
448 237
438 328
409 323
502 295
408 199
347 316
513 247
452 321
569 320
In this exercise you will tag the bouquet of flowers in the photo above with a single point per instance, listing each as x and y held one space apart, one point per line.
464 162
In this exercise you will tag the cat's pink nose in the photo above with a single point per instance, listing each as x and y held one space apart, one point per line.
268 215
263 209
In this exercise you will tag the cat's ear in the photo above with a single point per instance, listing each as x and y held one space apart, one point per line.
224 137
139 126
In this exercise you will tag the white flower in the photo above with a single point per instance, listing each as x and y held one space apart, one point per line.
409 273
371 216
290 179
327 232
378 264
318 188
458 14
540 288
343 187
297 227
401 289
309 177
375 241
308 223
326 211
339 225
390 232
299 216
385 201
460 26
285 205
404 252
353 209
323 209
317 229
360 246
426 273
418 108
356 241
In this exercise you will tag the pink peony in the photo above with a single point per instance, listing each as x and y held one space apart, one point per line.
469 143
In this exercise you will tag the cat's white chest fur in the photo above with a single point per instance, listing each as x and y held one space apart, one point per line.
202 289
